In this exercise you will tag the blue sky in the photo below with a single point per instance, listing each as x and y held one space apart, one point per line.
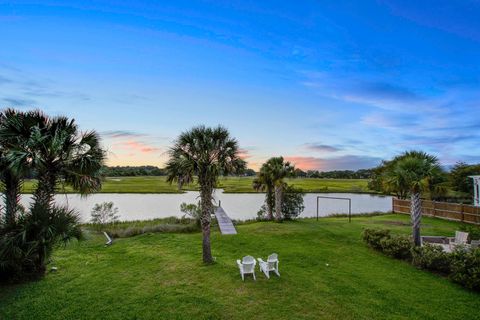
327 84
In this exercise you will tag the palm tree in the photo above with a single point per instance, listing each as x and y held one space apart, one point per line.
206 153
263 182
58 153
278 170
11 181
56 150
415 172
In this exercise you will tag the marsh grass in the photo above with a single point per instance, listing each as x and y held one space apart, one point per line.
126 229
229 184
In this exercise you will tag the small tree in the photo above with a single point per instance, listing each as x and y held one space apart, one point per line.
192 210
104 213
292 204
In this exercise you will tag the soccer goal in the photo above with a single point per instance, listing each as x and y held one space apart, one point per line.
337 198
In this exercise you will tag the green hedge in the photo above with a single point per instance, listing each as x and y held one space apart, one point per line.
461 266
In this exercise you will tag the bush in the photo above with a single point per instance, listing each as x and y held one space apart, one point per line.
431 257
373 237
194 211
27 244
292 204
399 247
103 214
465 268
462 265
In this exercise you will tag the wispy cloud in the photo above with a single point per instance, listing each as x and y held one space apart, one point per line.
322 147
366 90
121 134
4 80
18 102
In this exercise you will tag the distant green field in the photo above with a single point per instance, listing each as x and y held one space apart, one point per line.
230 185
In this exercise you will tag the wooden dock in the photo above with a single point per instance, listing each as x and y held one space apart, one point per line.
224 222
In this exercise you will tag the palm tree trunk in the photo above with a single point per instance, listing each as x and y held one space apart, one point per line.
416 216
45 192
12 186
269 203
278 202
205 219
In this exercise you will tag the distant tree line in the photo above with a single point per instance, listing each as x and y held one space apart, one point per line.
335 174
133 171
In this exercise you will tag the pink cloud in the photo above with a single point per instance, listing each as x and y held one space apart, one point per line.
134 145
244 154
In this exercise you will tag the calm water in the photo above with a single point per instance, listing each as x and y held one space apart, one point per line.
238 206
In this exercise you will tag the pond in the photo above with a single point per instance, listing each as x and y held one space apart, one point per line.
239 206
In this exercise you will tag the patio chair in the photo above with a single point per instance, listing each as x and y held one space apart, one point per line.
247 266
270 265
461 238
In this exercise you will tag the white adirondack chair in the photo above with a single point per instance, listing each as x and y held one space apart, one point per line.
270 265
461 238
247 266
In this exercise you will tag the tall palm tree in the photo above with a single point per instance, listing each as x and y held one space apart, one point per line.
415 171
278 170
57 151
263 182
10 180
206 153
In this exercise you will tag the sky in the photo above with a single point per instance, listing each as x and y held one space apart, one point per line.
329 85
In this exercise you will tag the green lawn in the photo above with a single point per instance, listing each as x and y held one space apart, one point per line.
160 276
230 184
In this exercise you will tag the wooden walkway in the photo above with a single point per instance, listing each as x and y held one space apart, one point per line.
224 222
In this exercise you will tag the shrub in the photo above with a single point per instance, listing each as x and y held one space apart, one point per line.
292 204
104 213
431 257
373 237
399 247
27 244
465 268
191 210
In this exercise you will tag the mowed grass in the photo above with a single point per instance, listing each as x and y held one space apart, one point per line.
160 276
229 184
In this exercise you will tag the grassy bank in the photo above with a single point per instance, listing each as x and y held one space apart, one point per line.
154 276
230 184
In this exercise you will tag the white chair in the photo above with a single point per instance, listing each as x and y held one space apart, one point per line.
461 238
247 266
270 265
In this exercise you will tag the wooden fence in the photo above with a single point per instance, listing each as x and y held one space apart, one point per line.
443 210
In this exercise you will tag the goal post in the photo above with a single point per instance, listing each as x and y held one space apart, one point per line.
337 198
